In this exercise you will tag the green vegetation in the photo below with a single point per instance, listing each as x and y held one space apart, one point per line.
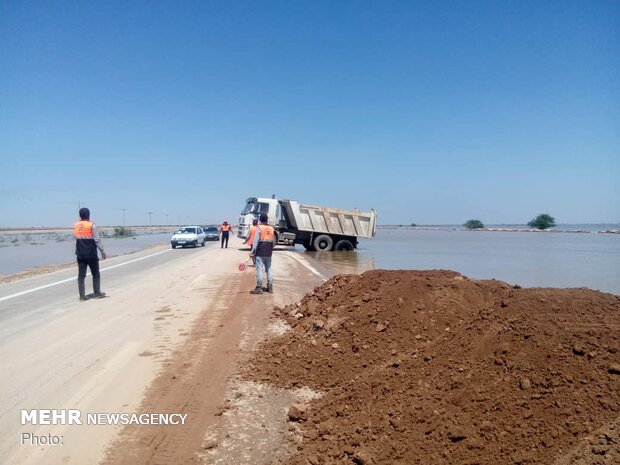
474 224
543 221
122 231
413 225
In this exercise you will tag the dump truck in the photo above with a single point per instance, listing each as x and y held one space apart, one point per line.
315 228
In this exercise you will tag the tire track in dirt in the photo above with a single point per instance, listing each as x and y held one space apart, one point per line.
198 378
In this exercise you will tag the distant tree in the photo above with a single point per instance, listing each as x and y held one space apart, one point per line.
543 221
474 224
413 225
122 231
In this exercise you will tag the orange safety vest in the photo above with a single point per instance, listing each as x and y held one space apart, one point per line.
83 229
252 234
85 245
267 233
266 240
225 227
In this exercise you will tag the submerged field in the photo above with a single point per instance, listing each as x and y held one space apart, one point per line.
23 250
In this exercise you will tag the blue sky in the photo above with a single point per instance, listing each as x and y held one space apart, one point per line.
430 112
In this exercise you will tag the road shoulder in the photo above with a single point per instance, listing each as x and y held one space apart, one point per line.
228 421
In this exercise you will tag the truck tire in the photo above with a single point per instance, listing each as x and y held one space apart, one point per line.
344 244
323 243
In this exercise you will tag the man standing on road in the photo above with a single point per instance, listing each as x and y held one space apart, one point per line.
86 244
225 229
262 248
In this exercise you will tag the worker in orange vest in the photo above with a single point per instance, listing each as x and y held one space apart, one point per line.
86 244
250 240
262 249
225 230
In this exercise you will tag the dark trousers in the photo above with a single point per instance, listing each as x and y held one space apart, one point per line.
93 264
225 238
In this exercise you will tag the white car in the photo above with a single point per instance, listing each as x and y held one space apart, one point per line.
188 236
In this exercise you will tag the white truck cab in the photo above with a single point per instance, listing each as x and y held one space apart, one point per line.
254 206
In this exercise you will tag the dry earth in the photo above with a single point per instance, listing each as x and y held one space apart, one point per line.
432 367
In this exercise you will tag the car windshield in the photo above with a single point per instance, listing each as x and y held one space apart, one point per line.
186 231
211 229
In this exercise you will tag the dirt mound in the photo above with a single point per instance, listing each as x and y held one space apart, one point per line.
432 367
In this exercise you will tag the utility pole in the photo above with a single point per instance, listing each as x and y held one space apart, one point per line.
167 222
124 210
150 213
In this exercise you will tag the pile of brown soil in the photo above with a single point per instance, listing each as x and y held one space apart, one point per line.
432 367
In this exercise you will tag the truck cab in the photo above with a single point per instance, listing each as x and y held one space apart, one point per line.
254 206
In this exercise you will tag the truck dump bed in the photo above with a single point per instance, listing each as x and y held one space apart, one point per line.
330 220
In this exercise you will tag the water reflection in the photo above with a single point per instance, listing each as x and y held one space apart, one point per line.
528 259
339 262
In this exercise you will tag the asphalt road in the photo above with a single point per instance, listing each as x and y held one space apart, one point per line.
99 355
33 301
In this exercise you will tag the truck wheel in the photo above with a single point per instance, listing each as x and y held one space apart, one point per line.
344 244
323 243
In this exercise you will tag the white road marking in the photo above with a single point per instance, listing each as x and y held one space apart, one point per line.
308 266
17 294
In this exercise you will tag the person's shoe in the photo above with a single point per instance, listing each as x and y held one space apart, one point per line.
83 298
257 290
269 288
99 295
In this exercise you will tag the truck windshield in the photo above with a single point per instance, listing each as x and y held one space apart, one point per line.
255 207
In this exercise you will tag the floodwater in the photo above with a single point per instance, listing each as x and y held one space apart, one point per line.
528 259
19 252
525 258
